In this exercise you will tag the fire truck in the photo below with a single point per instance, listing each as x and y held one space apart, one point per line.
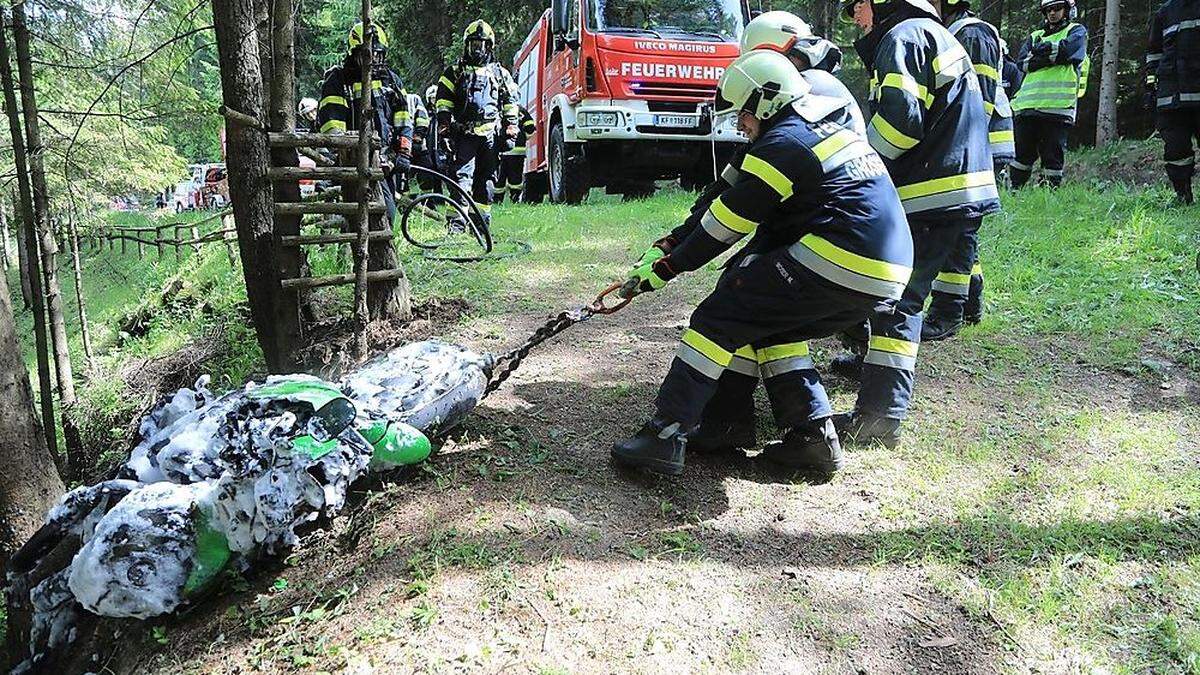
621 92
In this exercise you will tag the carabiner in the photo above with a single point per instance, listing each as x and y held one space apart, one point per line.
598 306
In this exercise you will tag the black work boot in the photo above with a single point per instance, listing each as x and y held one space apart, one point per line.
847 365
717 435
813 447
658 446
973 308
938 326
864 428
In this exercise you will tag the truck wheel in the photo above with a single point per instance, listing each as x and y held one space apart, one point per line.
535 188
569 181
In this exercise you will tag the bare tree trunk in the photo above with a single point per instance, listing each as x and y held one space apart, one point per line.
84 332
22 251
365 117
49 248
1106 115
249 188
4 235
29 484
32 264
282 115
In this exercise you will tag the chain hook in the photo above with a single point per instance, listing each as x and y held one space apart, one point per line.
598 306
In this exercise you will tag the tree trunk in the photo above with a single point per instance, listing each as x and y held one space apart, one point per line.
84 332
993 13
247 159
49 248
1106 115
22 252
3 235
29 484
282 115
32 263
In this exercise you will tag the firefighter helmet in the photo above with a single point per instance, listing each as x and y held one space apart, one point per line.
1069 5
356 35
787 34
430 94
760 82
307 107
480 30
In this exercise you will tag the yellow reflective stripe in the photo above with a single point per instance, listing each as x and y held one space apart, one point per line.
446 81
954 278
1000 136
988 107
947 184
977 270
711 350
828 147
375 84
333 125
908 85
746 352
987 71
948 58
837 255
730 219
891 134
444 103
403 115
333 100
768 174
892 345
784 351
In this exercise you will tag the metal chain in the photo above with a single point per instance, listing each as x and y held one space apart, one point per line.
555 325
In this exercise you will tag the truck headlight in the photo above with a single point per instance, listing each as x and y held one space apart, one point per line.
599 119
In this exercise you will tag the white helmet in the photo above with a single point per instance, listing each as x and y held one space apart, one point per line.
787 33
307 106
761 82
431 93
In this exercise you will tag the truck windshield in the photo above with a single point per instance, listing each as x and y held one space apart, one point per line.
703 20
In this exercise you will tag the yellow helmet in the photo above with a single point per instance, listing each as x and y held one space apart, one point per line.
356 35
480 30
760 82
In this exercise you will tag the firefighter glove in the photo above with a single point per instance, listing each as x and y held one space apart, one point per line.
649 277
657 250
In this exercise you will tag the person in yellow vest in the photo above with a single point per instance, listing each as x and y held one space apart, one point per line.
1055 61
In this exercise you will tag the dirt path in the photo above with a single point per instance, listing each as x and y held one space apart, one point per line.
521 549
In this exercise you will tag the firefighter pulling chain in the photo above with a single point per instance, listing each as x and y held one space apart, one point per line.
555 325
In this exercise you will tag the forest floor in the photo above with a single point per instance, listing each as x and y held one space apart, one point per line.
1041 514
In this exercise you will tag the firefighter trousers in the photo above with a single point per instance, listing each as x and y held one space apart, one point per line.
890 364
956 290
511 177
761 314
472 166
1178 128
1039 136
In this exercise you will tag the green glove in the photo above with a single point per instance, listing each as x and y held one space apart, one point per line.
653 253
645 278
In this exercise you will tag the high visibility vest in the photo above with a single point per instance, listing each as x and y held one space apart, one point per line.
1055 89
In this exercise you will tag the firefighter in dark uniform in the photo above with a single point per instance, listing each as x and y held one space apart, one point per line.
1055 61
928 122
957 295
1173 80
728 419
341 93
1011 76
474 101
836 245
511 179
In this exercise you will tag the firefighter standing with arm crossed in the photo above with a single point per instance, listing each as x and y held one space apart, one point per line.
1173 85
474 99
839 246
1056 65
927 121
957 295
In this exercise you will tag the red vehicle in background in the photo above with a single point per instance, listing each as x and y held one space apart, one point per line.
621 93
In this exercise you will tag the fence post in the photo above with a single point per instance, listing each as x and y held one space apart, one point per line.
158 244
195 229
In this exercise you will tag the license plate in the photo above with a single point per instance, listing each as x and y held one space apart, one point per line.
677 121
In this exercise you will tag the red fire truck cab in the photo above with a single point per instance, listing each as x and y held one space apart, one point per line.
621 93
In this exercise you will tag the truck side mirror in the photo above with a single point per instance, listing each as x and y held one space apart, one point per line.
558 17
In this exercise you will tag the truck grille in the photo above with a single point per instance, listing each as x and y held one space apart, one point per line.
700 91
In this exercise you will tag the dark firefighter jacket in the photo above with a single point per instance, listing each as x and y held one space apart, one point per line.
927 118
341 92
1173 56
982 42
478 98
